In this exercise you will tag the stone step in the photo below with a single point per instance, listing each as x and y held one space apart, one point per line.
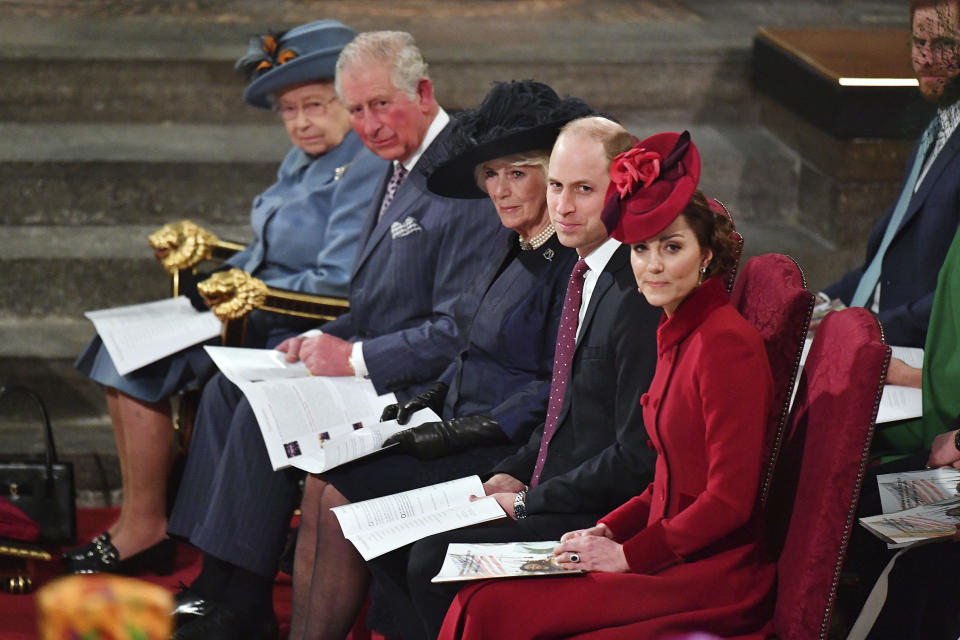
139 70
82 173
83 247
62 271
102 61
42 316
92 174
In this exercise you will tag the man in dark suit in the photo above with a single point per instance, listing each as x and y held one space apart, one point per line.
418 255
908 244
596 456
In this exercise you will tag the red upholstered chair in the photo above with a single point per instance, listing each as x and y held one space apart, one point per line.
822 459
771 293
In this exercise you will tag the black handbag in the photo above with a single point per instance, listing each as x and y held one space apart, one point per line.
42 490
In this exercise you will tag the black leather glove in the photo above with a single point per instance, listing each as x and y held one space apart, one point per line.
432 398
436 439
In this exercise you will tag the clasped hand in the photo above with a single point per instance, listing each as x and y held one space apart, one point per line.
595 548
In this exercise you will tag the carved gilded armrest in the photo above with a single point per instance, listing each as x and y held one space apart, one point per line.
181 246
233 294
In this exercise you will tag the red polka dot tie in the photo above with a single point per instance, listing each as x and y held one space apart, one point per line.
562 359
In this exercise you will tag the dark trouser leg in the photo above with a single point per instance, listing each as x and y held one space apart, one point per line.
866 554
922 596
241 512
211 426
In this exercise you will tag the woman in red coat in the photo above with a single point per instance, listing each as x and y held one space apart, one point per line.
686 554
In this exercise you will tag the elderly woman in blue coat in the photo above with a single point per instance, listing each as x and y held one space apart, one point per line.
305 232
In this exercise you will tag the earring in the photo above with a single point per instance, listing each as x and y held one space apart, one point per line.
703 272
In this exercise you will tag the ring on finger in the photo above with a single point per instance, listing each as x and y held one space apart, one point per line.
574 557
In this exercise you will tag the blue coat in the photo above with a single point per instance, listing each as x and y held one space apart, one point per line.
413 266
306 226
506 369
306 230
908 275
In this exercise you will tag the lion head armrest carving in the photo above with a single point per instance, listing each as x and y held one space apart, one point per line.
232 294
182 245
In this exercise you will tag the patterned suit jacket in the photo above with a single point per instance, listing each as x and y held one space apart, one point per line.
413 265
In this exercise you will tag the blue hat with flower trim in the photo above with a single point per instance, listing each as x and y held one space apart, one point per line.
302 54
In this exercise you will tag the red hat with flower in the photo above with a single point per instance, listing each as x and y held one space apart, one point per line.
650 185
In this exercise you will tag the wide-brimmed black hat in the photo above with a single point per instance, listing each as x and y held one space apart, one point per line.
514 117
302 54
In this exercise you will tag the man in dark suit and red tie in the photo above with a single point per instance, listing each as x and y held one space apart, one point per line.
592 451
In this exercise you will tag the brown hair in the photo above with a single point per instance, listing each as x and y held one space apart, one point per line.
714 231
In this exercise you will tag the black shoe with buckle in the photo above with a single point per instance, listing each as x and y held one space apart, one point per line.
103 557
221 623
86 550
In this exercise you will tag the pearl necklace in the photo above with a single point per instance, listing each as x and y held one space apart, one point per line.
538 240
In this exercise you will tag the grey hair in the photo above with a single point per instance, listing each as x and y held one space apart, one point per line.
396 48
539 158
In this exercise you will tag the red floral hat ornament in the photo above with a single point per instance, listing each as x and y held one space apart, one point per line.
650 185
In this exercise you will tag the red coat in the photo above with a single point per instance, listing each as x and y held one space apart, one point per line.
693 539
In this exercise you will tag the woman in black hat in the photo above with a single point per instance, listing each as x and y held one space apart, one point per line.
305 227
496 392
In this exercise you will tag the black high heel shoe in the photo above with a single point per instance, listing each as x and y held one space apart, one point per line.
103 557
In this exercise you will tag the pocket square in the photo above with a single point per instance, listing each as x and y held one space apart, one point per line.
401 229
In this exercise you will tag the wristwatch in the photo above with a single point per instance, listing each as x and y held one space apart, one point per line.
519 506
956 443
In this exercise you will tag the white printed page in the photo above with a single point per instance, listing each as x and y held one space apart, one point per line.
899 491
384 524
897 402
139 334
913 356
241 365
485 560
934 520
322 454
299 413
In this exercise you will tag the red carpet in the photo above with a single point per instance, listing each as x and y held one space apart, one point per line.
17 613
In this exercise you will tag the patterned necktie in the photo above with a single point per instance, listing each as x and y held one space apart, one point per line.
562 359
871 275
399 173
